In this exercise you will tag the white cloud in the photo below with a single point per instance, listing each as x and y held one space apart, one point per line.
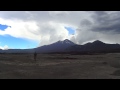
48 26
44 26
4 47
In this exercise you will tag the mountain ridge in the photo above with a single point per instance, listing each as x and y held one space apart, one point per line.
95 46
68 46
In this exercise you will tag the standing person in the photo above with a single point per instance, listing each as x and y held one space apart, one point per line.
35 55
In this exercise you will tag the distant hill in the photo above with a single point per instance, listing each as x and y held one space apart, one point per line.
17 51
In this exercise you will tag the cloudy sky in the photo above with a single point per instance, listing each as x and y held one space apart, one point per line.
30 29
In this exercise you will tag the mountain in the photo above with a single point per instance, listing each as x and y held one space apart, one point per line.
96 46
68 46
58 46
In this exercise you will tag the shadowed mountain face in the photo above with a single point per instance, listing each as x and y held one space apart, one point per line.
55 47
68 46
96 46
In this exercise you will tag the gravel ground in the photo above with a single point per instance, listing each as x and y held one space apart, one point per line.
58 66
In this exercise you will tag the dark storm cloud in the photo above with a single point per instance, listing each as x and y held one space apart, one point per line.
106 21
86 22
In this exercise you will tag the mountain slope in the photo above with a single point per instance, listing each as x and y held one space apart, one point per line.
59 46
96 46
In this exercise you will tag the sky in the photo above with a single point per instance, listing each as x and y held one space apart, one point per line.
31 29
